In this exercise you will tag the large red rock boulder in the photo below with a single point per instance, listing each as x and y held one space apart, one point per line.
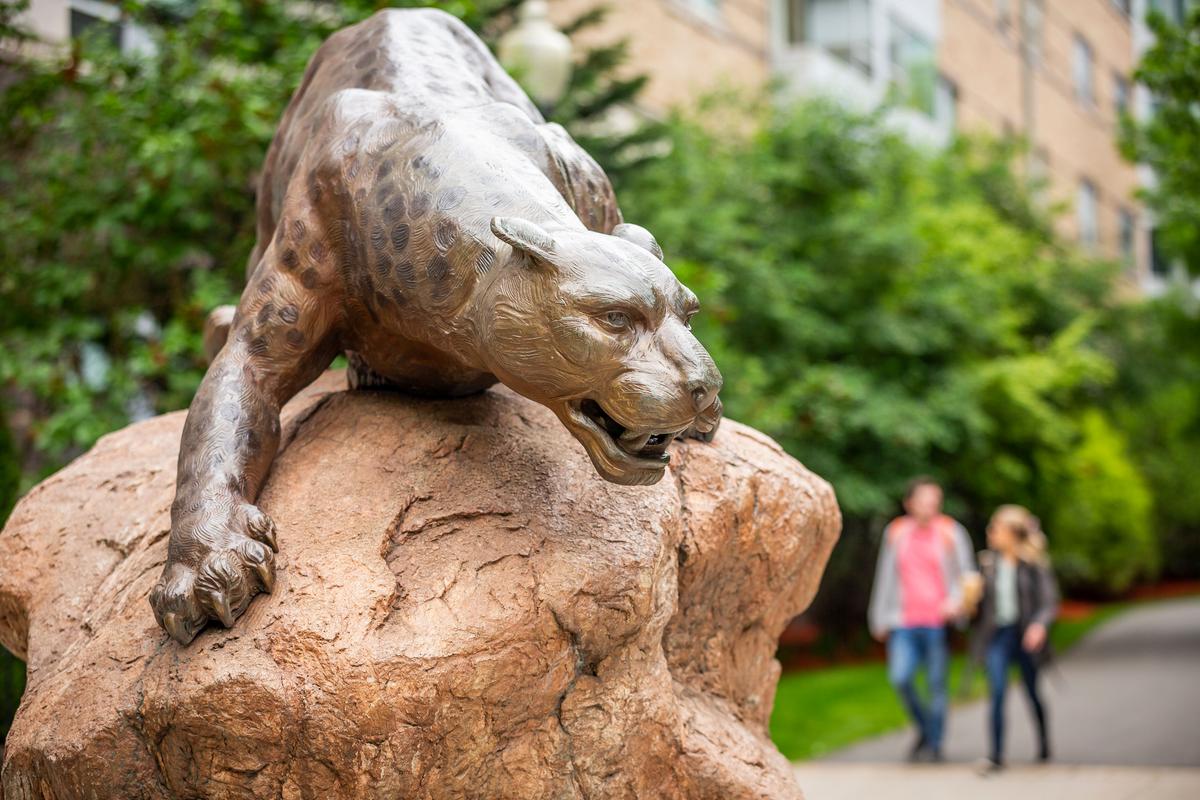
464 609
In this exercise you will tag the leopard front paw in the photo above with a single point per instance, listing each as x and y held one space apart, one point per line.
214 572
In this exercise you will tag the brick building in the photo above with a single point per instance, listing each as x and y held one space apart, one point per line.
1056 72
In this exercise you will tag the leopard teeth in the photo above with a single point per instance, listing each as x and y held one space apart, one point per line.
634 442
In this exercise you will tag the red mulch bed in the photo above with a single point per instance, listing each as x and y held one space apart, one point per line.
798 645
1166 590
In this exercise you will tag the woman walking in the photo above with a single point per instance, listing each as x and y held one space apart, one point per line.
1019 602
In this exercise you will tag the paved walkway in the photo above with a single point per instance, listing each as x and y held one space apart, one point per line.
1128 694
824 780
1124 716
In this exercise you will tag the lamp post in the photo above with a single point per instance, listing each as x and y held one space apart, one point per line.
537 54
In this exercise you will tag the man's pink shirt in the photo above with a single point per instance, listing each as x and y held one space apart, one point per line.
920 550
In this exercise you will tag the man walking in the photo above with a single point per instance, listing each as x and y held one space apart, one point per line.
924 559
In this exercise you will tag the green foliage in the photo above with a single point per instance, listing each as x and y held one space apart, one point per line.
595 91
10 470
818 711
1157 344
1156 402
879 311
1169 140
884 312
12 684
1099 523
126 184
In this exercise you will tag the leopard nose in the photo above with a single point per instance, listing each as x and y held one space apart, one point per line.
703 393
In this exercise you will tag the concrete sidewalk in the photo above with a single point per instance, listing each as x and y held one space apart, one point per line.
1128 694
839 781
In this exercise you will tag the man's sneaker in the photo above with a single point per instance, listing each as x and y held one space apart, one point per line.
986 767
929 755
917 751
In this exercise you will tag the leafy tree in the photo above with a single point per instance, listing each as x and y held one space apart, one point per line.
1100 522
875 309
1169 140
882 312
1155 401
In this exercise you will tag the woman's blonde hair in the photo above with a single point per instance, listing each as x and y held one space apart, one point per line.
1031 539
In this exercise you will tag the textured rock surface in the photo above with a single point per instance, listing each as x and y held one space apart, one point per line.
464 609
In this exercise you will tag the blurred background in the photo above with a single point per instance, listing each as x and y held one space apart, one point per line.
947 237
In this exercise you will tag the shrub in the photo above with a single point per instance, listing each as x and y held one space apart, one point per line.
881 311
1156 402
1099 524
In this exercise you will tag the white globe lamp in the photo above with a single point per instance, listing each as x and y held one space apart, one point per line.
537 54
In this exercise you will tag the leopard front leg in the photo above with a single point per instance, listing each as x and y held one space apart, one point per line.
285 333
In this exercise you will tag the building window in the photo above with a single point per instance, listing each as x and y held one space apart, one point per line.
1039 171
1004 13
1160 265
1126 226
1120 94
945 104
841 28
1174 10
1081 71
92 18
708 9
1087 206
913 67
1031 27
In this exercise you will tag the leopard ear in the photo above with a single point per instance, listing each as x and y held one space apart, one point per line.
526 236
639 236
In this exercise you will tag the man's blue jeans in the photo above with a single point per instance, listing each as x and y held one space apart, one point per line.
908 649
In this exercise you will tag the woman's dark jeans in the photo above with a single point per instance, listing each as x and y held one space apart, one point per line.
1003 649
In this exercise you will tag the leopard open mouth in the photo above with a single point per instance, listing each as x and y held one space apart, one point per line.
620 454
651 446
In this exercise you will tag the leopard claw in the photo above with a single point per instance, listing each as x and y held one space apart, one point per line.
261 527
220 604
176 629
266 575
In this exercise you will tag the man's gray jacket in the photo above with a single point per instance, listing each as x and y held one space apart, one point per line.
958 560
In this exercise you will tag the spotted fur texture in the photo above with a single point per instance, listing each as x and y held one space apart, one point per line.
417 213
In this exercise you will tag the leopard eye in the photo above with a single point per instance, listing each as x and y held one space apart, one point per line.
617 320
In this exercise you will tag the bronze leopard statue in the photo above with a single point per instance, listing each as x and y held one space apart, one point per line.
417 213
